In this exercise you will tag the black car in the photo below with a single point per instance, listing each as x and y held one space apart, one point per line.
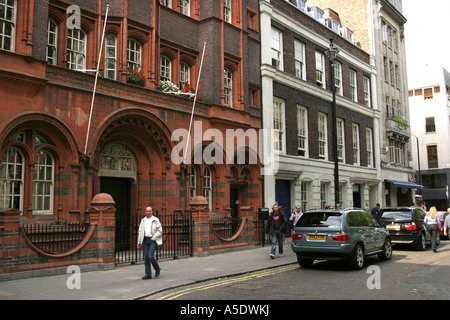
406 226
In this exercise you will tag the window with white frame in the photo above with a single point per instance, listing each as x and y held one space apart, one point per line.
110 56
322 136
367 98
7 24
227 10
185 74
167 3
304 196
302 131
76 49
320 69
134 54
338 78
228 87
299 55
165 69
355 131
277 49
43 182
278 124
323 195
369 145
185 7
353 86
207 186
11 179
301 4
340 140
52 42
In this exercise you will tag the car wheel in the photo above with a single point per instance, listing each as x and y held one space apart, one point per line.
305 263
387 250
356 261
422 243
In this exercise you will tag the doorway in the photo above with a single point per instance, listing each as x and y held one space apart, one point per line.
120 191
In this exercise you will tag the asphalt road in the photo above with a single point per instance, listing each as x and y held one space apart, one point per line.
409 275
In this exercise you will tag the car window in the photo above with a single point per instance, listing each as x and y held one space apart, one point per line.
395 215
369 222
320 219
353 219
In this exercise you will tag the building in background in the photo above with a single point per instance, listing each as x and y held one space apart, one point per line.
297 105
378 27
429 103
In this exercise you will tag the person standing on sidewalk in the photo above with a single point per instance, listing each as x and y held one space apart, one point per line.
432 222
276 226
150 236
295 216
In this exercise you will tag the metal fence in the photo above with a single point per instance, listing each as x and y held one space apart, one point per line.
177 238
55 238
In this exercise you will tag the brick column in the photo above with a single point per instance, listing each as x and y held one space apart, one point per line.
102 215
248 234
198 206
10 240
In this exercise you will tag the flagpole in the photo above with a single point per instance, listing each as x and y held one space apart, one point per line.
96 78
193 105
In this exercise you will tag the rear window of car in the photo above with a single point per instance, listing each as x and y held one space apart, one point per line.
395 215
320 219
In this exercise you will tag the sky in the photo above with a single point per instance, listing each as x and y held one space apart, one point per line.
426 33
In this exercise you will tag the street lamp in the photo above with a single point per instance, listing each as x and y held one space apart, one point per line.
332 53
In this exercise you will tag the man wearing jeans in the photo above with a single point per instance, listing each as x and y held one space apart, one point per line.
150 235
276 226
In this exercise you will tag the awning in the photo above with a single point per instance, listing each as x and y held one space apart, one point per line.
405 184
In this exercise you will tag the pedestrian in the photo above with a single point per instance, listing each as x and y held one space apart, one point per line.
375 210
276 226
432 222
295 217
424 206
150 236
447 223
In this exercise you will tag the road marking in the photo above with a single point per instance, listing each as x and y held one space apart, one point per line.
227 281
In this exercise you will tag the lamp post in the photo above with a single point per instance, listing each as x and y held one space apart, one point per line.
332 52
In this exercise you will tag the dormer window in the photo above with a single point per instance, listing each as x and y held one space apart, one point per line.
316 13
332 24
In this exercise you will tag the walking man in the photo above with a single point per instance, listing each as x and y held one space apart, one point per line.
150 236
276 226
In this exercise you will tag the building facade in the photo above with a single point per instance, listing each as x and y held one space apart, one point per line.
59 146
297 104
378 27
430 125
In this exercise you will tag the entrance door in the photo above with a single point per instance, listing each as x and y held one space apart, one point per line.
234 202
119 189
357 196
283 197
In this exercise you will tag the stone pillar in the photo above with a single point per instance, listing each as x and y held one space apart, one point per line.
102 215
198 206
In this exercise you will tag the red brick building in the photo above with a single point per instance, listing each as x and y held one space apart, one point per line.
55 156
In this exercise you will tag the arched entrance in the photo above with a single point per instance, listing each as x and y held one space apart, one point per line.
117 173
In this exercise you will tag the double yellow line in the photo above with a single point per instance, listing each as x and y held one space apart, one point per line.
227 281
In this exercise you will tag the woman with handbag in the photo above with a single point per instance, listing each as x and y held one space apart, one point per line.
433 224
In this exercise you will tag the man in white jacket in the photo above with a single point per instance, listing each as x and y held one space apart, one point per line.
150 236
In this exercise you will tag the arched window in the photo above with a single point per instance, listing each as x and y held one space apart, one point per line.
207 186
43 183
11 179
165 69
110 56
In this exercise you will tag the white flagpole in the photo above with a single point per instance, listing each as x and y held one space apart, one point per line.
193 105
96 77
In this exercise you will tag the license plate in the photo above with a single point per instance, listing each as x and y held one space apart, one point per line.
316 237
393 227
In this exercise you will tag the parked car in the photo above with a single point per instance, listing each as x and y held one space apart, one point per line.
406 226
442 216
348 235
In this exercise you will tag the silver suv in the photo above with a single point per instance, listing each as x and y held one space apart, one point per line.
348 234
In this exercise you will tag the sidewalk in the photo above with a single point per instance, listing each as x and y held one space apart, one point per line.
125 283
